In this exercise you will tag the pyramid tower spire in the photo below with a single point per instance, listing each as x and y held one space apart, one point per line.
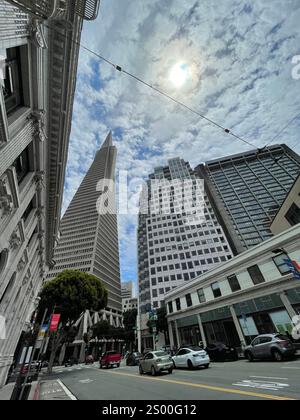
108 142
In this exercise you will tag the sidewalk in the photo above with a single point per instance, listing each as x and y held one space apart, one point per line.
6 391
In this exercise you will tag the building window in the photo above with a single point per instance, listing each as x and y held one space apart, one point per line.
188 299
281 265
256 275
201 296
293 215
28 210
12 87
3 260
21 165
234 283
178 304
170 307
216 289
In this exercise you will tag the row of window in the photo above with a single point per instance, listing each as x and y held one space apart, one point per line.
254 272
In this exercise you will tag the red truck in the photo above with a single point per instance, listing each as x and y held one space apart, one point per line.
110 359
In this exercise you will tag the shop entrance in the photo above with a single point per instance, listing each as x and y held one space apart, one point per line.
222 331
264 323
190 336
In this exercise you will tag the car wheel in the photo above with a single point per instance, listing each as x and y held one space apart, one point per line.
101 367
190 364
278 357
118 365
141 370
153 371
170 371
174 365
249 356
206 366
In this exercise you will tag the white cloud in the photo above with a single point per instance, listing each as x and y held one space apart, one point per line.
240 54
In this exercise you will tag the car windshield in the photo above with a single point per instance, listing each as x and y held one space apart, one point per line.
111 352
137 354
161 353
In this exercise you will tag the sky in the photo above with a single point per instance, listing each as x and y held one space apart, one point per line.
238 57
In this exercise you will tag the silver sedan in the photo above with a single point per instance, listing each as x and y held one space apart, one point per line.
155 362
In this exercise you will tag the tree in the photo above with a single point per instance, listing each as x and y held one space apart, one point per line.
161 323
129 321
70 294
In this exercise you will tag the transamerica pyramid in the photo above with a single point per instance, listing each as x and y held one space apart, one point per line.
89 240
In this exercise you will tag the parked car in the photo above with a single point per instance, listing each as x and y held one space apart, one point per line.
220 352
89 360
156 362
70 362
275 346
191 357
133 359
110 359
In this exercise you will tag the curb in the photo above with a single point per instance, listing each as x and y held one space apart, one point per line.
36 392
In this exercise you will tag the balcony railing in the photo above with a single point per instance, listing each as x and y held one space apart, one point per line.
49 9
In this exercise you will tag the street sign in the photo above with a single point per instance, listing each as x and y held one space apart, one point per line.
294 267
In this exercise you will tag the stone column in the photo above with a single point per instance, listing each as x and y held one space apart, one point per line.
238 327
288 306
177 334
202 331
82 353
170 328
62 354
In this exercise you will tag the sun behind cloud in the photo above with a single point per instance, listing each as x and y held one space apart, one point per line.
179 74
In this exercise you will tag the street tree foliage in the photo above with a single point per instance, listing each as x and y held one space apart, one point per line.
103 329
129 321
70 294
161 324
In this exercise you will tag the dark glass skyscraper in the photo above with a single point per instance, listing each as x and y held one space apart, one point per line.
248 189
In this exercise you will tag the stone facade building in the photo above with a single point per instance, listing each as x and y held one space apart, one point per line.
39 46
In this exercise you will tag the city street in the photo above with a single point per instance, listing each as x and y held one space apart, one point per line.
238 380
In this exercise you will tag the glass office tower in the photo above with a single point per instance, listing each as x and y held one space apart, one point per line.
248 189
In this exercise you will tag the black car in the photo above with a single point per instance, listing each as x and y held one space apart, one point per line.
133 359
220 352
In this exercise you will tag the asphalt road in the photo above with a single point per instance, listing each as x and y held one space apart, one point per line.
222 381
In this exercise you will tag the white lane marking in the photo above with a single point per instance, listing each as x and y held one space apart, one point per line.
294 368
86 381
271 386
269 377
67 391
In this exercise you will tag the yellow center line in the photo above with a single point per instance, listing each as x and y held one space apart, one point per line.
207 387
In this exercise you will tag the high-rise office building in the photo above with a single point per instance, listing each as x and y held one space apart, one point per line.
127 289
248 189
38 66
172 248
89 237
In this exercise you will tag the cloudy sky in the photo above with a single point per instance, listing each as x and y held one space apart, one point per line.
238 60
